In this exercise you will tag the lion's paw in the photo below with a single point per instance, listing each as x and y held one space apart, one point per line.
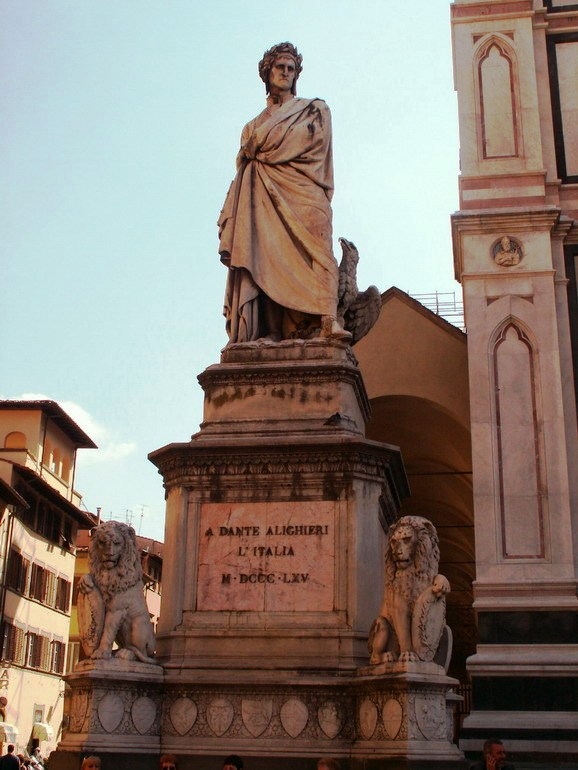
408 657
382 657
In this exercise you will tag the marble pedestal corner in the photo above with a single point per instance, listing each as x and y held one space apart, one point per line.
406 711
115 707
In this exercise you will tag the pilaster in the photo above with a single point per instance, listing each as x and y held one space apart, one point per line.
509 238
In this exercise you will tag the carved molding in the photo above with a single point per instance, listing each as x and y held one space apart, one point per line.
185 465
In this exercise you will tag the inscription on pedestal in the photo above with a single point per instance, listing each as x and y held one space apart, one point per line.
267 557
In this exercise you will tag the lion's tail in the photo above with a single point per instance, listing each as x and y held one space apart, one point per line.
139 655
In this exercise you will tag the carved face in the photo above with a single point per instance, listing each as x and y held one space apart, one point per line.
110 546
402 544
505 243
282 74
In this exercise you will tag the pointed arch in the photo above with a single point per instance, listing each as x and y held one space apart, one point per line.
519 460
497 99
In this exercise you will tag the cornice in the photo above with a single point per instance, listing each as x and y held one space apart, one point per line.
195 465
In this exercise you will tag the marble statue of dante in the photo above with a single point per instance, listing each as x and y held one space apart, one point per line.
275 227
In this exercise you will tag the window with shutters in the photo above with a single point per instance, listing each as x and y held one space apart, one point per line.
58 655
32 650
63 589
17 573
37 582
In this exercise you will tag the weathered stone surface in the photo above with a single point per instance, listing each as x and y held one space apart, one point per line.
111 604
412 615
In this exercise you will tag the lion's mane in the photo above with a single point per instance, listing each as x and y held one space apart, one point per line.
412 581
127 572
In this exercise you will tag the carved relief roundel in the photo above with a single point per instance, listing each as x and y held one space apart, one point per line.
183 715
294 715
367 718
110 712
431 717
143 714
220 714
256 715
392 716
330 719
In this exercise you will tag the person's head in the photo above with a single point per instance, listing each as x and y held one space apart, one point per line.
10 748
327 763
281 54
232 762
92 762
168 762
494 749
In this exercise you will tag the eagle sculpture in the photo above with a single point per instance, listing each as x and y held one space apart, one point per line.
357 311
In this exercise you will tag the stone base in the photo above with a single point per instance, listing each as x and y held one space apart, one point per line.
406 715
403 716
114 706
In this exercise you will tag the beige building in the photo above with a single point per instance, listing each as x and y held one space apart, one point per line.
40 517
515 249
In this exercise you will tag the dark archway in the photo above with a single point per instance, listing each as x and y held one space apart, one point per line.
436 450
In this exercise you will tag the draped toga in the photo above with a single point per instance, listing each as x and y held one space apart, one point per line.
275 227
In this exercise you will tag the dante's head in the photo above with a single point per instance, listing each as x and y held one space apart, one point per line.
269 58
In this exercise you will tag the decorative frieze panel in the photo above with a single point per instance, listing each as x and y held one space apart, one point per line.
373 712
261 715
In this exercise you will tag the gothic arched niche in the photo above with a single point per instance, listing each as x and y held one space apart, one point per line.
497 108
521 495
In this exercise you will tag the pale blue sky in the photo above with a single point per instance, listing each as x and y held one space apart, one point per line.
120 126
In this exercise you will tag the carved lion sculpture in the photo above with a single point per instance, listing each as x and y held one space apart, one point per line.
111 603
411 625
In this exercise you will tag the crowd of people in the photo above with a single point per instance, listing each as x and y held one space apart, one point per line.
12 761
494 758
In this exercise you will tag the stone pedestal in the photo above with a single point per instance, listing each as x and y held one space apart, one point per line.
401 712
406 710
275 517
115 707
